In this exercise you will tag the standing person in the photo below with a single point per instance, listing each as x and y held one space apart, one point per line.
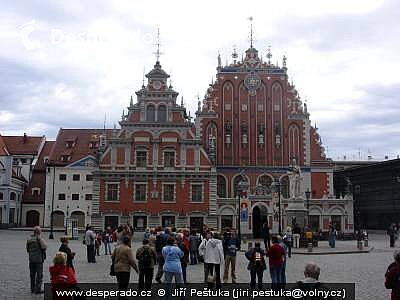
296 235
36 248
194 246
283 270
256 265
147 258
172 264
65 248
123 261
276 254
332 236
97 243
392 277
310 283
90 238
185 249
266 236
161 242
287 240
107 240
202 250
392 234
232 245
214 257
152 238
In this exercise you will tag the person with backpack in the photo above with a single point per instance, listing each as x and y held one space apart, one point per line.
146 257
256 265
36 248
161 242
392 277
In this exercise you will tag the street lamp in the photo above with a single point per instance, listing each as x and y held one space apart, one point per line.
307 192
51 235
277 186
241 186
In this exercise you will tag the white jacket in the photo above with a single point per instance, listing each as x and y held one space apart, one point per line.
213 251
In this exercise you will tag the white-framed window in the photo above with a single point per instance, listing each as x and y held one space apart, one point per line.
169 158
196 192
61 197
76 177
140 192
112 192
62 177
141 158
168 192
75 197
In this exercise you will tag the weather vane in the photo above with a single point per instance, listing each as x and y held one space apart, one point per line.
251 31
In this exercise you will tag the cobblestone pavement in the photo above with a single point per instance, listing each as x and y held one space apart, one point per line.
365 269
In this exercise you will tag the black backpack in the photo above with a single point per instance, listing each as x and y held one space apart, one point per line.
146 257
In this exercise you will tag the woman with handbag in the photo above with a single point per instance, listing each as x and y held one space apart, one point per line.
123 260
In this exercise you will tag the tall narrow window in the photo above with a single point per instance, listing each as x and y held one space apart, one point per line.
140 192
141 159
221 186
168 195
162 113
112 192
150 113
197 193
169 159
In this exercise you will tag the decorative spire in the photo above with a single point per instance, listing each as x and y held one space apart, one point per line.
158 53
144 72
284 61
182 101
123 114
269 55
131 103
219 60
251 31
234 54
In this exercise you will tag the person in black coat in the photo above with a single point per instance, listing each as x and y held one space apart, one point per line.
65 248
256 265
266 235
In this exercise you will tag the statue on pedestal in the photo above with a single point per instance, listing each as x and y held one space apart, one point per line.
294 180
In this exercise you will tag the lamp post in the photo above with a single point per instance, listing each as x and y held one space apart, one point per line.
277 186
307 192
51 235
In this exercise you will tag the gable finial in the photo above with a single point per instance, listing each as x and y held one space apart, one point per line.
251 31
158 53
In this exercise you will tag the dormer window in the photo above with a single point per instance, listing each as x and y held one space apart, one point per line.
65 158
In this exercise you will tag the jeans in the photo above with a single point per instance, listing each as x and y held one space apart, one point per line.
168 280
107 246
36 274
123 281
145 278
230 260
91 255
193 257
160 270
276 275
283 273
259 274
217 268
205 272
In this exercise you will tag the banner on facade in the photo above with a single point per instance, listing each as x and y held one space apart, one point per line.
244 210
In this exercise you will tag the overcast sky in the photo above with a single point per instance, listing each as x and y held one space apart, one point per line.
69 63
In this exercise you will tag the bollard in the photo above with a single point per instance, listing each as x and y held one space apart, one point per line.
366 242
309 247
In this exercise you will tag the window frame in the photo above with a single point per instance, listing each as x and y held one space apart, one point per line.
136 190
108 190
61 176
74 176
164 193
137 160
201 185
75 194
59 197
169 151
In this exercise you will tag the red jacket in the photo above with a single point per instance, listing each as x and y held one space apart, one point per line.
275 254
62 278
392 280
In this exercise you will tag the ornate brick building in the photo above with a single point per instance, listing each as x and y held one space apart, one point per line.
154 171
253 124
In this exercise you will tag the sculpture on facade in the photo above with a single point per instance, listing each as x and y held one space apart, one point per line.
294 180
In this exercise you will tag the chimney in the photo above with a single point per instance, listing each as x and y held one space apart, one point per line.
25 138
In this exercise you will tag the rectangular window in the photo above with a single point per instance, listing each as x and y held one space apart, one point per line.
169 159
197 193
168 221
62 177
141 159
61 196
88 197
112 192
140 192
75 197
76 177
89 177
168 195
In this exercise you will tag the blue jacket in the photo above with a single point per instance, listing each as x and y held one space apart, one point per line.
232 244
172 256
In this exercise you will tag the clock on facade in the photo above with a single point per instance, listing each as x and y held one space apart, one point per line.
156 85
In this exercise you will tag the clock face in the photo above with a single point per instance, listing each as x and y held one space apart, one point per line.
156 85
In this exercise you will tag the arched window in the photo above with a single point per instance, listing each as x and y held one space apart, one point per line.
150 113
264 180
162 113
236 182
221 186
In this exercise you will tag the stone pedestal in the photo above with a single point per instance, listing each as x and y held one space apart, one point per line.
296 210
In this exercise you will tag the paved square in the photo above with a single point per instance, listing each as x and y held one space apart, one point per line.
365 269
